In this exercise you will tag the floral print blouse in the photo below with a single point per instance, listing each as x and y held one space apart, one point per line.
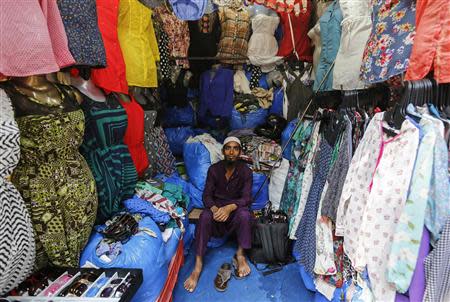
389 46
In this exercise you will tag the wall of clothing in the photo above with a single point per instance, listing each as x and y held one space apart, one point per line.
96 95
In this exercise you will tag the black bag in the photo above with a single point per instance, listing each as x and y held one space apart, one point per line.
270 240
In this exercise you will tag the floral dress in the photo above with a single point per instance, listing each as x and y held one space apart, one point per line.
389 46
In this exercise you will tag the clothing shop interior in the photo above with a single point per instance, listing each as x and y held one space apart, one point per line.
225 150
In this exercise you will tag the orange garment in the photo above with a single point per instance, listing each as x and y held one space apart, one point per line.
134 136
431 49
112 77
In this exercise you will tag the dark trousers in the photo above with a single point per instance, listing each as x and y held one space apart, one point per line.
239 222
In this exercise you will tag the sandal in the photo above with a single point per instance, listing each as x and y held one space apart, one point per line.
236 269
222 277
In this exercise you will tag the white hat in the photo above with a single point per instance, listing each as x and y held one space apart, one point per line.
232 139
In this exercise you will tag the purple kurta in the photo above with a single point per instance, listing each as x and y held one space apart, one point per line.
220 192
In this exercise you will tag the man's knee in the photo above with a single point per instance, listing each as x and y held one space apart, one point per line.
243 215
206 217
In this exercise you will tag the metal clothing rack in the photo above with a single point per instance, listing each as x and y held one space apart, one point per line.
218 58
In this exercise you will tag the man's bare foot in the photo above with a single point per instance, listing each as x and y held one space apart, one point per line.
191 283
243 267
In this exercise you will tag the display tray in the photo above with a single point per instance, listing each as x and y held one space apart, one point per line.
78 284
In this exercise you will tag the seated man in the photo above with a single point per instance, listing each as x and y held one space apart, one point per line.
227 198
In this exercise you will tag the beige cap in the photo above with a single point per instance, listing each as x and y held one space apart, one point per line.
232 139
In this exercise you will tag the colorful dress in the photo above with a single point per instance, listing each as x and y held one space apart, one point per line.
17 249
390 43
57 185
107 155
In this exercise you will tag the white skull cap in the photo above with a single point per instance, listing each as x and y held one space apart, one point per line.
232 139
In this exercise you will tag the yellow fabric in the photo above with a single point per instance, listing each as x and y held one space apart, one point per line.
138 43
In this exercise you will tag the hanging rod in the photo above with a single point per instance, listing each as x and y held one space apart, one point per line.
208 58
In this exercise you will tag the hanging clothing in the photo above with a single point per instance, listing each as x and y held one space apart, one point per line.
295 28
437 269
431 42
138 43
281 6
178 33
338 173
113 76
263 47
134 136
405 246
292 186
235 31
204 35
378 205
216 93
17 247
107 155
188 10
165 64
85 42
57 185
389 46
330 35
241 83
158 148
356 28
36 29
305 244
313 145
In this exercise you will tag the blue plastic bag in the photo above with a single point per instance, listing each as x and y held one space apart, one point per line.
247 120
179 116
277 103
195 197
154 265
197 161
285 137
176 138
263 196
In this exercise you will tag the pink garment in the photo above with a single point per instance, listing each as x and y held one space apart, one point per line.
32 38
57 33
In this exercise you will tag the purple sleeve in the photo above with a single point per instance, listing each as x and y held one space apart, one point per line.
246 194
208 192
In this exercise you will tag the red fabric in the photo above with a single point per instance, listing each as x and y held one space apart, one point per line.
113 77
300 25
174 268
134 136
431 49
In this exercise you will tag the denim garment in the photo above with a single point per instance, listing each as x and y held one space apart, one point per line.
189 10
330 34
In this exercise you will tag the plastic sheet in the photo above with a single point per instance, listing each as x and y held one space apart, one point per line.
263 196
277 103
285 137
177 137
248 120
179 116
154 265
197 161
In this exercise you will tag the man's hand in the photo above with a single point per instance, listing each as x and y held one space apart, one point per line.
222 214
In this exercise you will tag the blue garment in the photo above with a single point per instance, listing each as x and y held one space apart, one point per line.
330 34
188 10
277 103
216 93
390 43
306 231
83 35
137 205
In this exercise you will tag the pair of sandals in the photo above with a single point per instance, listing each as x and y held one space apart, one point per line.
224 275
